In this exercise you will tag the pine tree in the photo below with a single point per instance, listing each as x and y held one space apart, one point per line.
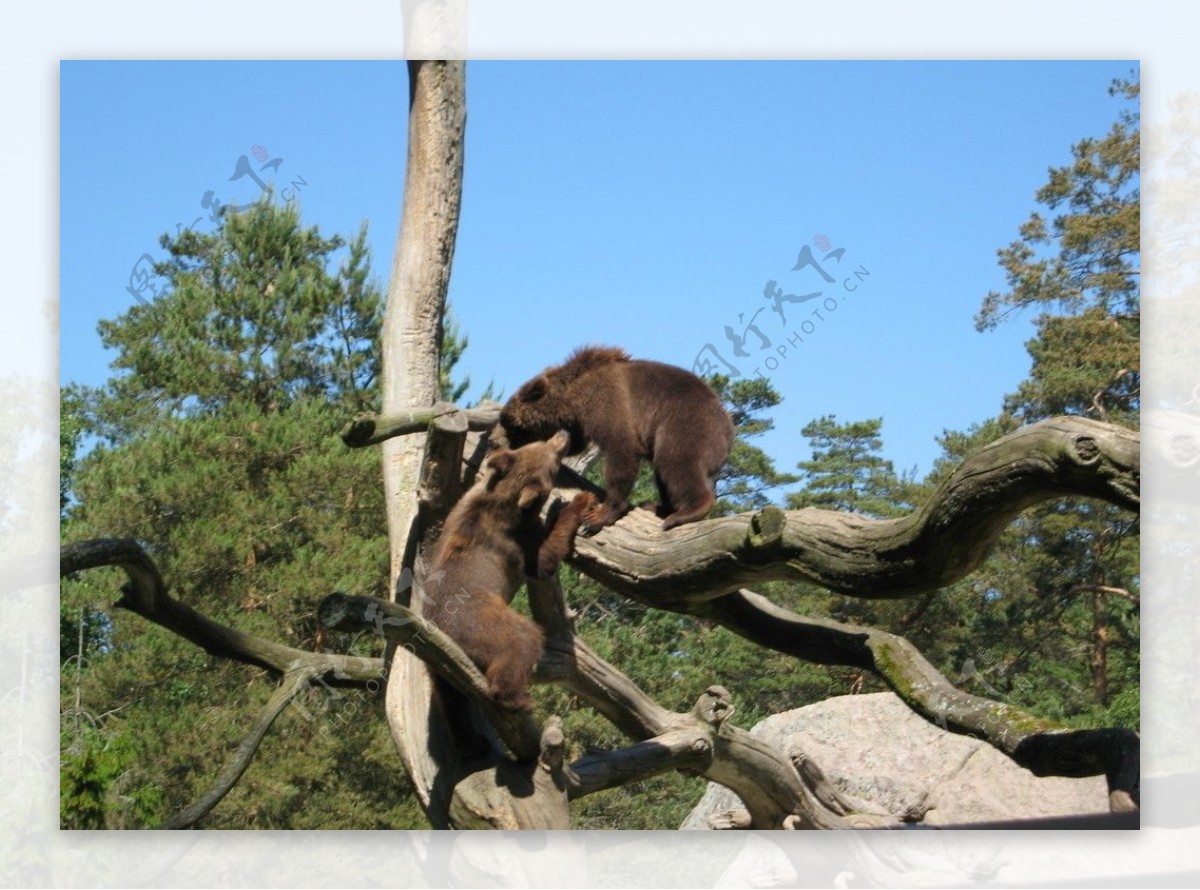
848 473
1071 565
1085 264
220 454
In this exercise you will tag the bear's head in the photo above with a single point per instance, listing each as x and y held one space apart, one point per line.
552 400
525 475
533 413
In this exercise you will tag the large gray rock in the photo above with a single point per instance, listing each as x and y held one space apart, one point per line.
887 759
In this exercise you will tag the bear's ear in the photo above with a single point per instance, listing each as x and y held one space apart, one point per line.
500 463
534 389
560 441
530 495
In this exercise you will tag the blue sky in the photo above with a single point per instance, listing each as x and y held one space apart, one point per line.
643 204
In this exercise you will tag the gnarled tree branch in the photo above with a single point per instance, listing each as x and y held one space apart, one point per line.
699 741
146 594
852 555
294 681
372 430
1044 747
692 569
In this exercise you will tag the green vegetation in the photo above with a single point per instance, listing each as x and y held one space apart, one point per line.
218 451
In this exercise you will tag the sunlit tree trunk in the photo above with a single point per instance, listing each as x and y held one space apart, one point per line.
412 335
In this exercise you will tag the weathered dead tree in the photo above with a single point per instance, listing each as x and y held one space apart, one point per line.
423 478
696 570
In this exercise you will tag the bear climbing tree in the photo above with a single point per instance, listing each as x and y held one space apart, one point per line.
492 540
432 454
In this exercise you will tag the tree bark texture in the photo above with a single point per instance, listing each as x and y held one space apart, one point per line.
851 555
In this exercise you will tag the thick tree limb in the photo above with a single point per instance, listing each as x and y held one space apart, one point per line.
680 749
146 595
1042 746
855 556
852 555
372 430
689 745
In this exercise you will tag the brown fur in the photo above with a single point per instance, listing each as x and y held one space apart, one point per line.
493 539
633 410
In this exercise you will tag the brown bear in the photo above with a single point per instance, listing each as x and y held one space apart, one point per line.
631 410
492 539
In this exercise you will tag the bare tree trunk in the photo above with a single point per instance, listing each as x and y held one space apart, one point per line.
423 476
412 338
412 329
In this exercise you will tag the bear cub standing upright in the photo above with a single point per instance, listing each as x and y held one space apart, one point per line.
631 410
492 539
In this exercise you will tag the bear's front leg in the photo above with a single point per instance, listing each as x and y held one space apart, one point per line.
556 546
620 473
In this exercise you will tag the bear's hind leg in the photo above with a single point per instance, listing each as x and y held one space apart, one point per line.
694 510
685 485
517 647
620 473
